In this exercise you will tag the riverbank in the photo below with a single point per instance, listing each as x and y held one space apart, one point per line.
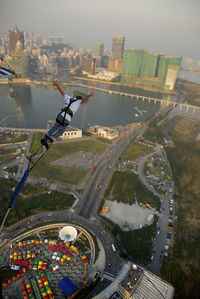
170 92
48 84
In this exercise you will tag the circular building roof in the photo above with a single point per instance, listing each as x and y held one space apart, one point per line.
68 233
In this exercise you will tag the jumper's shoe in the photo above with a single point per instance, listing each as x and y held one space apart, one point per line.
45 143
49 138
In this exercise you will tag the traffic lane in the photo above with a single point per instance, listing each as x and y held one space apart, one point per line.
160 239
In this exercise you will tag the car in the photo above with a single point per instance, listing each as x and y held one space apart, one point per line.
166 247
55 268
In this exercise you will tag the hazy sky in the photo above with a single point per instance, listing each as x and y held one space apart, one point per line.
168 26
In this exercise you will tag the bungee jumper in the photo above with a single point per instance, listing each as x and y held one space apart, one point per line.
64 117
62 121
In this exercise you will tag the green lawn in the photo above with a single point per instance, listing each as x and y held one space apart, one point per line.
125 186
12 137
7 155
69 175
36 144
138 242
32 199
104 140
135 150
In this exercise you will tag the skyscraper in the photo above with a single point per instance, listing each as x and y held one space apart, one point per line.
18 60
118 46
148 64
131 65
145 69
97 53
89 65
97 50
14 37
116 58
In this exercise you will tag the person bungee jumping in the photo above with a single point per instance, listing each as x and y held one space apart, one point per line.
64 117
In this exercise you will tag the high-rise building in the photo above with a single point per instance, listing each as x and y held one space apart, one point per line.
89 65
18 59
148 70
131 65
115 64
116 58
97 50
148 65
14 37
97 53
118 46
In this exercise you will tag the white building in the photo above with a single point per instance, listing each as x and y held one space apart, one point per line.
71 133
105 132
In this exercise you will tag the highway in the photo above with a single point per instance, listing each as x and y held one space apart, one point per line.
93 193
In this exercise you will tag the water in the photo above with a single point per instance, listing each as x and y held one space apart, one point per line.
190 76
31 107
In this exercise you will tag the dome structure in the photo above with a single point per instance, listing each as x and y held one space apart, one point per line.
68 233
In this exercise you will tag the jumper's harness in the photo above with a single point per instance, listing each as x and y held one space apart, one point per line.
61 119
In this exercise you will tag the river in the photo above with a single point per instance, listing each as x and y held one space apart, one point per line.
31 107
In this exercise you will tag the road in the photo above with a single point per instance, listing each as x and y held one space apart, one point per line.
95 189
162 224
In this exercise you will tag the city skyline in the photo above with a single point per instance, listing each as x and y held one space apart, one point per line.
169 27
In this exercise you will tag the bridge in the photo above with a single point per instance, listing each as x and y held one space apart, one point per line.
143 98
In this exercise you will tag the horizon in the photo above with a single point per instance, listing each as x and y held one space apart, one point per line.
171 28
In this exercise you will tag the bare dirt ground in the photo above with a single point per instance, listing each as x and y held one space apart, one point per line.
81 159
128 217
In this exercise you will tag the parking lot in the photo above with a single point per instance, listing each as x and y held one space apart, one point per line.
127 216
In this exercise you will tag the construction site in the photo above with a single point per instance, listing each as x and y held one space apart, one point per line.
145 69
